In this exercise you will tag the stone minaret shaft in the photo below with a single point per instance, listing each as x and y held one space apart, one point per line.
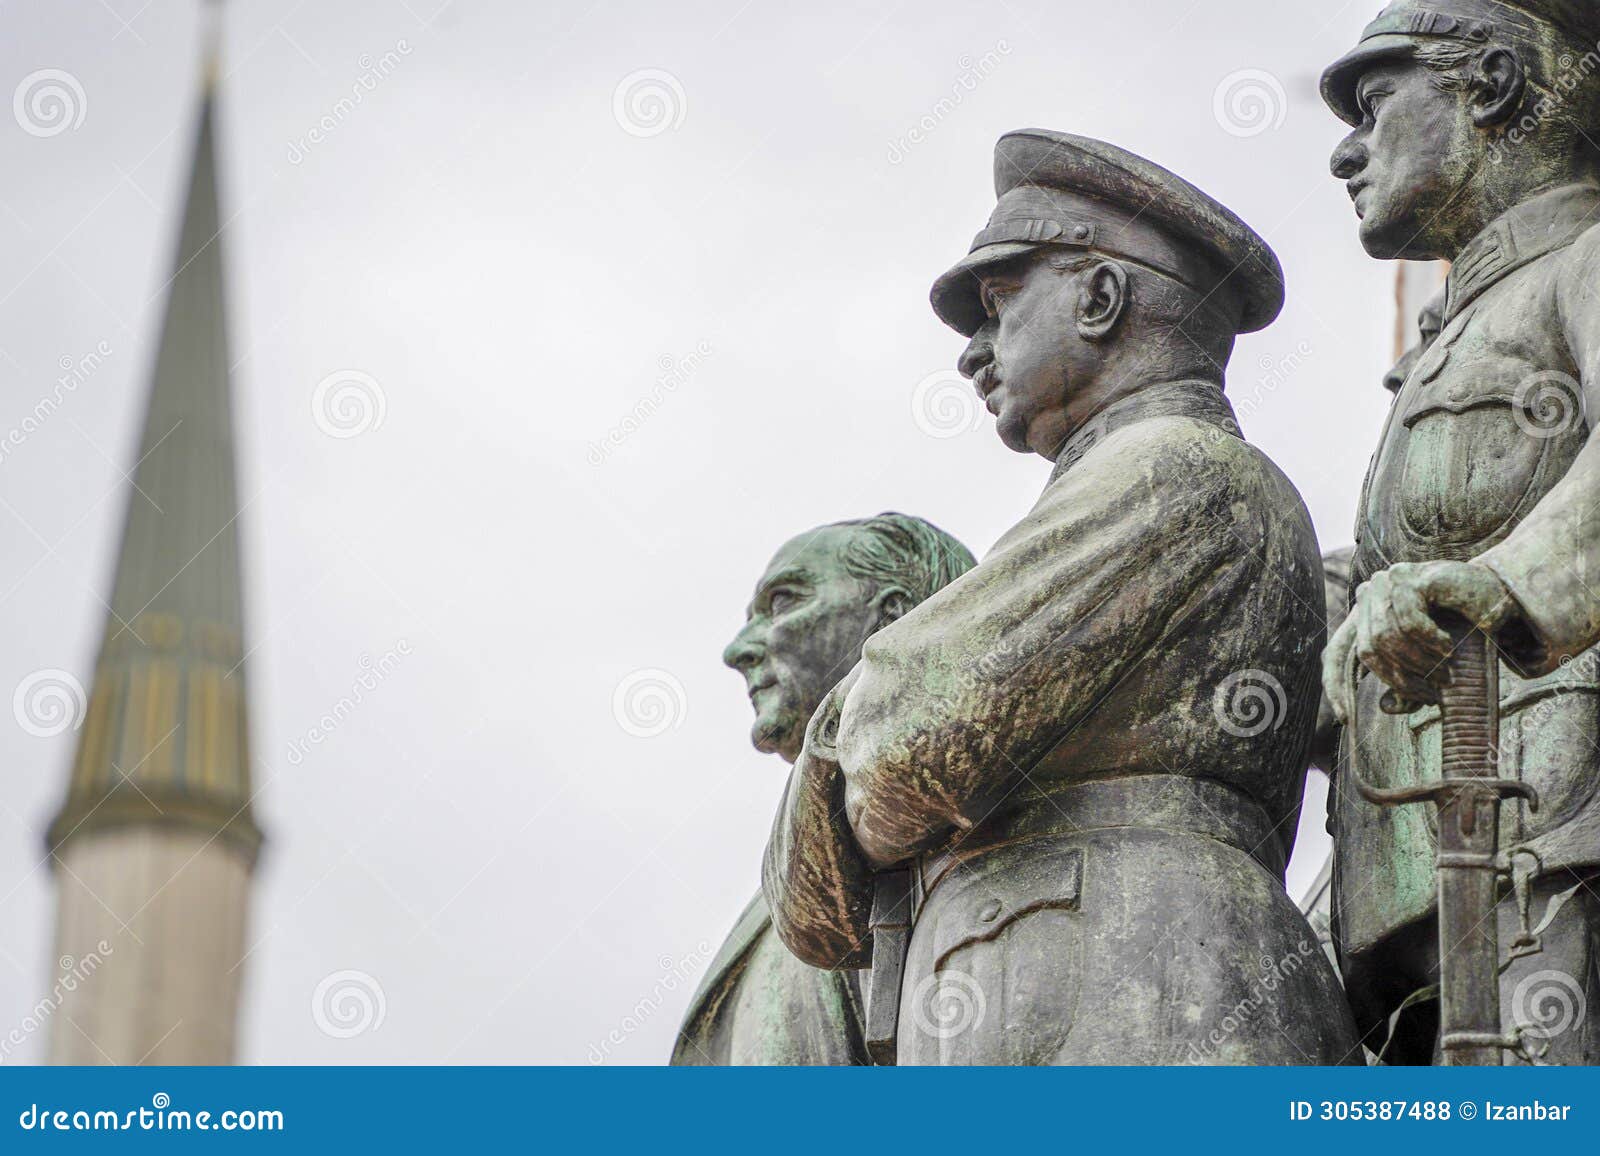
154 844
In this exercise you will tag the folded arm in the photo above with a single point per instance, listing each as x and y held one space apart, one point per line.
814 876
954 702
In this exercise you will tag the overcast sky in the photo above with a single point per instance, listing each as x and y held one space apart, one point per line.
536 218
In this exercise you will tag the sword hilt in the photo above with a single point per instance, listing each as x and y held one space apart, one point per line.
1468 794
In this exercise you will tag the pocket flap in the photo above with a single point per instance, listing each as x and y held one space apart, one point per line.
986 902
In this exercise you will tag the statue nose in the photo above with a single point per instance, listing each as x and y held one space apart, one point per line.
979 353
1349 158
742 653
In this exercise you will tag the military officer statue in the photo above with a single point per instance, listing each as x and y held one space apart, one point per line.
821 595
1089 750
1474 130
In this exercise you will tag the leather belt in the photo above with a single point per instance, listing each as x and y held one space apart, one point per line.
1161 802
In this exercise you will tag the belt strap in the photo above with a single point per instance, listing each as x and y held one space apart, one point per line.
1162 802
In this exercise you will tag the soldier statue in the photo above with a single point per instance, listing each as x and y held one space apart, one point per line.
1089 751
822 594
1318 900
1474 140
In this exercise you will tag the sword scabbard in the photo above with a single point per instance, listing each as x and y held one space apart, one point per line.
1468 857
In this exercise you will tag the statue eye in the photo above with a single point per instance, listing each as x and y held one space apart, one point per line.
781 599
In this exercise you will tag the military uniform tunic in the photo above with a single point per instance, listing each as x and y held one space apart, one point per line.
1487 455
759 1005
1092 748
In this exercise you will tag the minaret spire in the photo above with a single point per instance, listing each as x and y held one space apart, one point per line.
156 836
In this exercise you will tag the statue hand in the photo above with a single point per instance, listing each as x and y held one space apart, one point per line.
1394 629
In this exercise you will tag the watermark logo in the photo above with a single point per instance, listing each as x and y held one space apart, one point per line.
948 1003
649 702
48 703
1249 102
649 102
1547 1004
348 1004
945 405
348 403
1250 702
1548 404
49 102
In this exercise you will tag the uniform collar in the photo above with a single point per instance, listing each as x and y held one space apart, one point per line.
1201 400
1537 227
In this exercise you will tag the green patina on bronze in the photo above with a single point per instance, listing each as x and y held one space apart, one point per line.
1089 751
822 595
1473 141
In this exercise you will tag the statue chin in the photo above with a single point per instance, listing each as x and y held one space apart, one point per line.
775 735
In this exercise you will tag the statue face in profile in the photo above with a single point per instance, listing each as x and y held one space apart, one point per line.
1407 161
803 632
1035 348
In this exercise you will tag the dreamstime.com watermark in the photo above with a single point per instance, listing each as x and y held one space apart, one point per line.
973 73
160 1116
674 375
675 973
74 972
1571 72
371 677
74 373
373 73
1275 373
1274 973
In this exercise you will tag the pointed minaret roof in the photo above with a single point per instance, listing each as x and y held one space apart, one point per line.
165 736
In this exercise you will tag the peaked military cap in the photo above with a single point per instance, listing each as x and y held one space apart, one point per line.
1402 26
1070 192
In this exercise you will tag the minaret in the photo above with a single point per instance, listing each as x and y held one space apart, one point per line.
154 844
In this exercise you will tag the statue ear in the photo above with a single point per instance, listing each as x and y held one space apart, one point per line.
1498 86
890 603
1102 300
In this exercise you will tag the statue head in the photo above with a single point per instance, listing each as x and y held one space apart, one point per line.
823 594
1098 274
1430 323
1460 110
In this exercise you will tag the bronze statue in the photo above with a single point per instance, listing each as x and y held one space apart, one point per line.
1318 900
822 594
1474 130
1089 751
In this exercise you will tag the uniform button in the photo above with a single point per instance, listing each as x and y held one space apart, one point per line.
990 912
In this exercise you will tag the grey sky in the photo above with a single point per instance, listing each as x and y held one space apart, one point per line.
482 236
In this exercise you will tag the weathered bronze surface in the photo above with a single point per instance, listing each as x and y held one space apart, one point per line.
1090 750
1473 141
823 593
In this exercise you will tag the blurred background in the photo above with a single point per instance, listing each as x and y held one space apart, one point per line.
546 324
